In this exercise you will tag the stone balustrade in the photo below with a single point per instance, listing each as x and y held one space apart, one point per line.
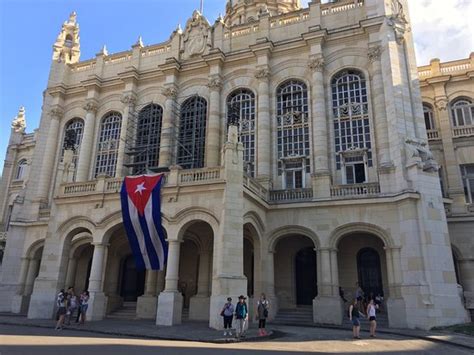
465 131
294 195
332 8
201 175
433 134
78 188
254 186
436 68
343 191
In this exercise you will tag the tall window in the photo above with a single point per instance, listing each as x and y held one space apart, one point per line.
243 100
462 112
147 147
21 169
429 119
352 139
293 133
192 133
109 139
467 172
76 125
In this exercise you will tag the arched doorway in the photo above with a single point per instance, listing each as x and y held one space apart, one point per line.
305 275
133 280
249 266
369 271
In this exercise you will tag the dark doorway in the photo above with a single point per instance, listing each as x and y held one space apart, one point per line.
89 266
133 281
306 282
370 273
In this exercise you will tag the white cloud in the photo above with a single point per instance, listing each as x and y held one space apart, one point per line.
442 29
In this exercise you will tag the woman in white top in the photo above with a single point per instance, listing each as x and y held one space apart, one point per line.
371 315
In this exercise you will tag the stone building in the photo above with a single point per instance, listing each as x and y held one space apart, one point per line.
327 179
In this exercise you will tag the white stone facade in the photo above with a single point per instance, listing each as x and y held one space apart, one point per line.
339 185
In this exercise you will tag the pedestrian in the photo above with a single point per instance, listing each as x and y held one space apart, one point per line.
371 315
379 301
262 314
241 314
61 312
84 305
354 314
359 295
79 307
228 313
72 304
341 294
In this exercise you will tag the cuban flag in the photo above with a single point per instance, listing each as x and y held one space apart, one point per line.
141 211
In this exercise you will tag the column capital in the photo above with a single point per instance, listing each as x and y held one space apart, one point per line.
174 241
170 92
328 249
263 73
374 53
56 112
392 247
316 64
99 244
91 106
215 82
441 103
129 98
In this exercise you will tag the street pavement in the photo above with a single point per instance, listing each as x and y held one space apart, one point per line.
17 339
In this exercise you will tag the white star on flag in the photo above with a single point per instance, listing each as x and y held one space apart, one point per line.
140 188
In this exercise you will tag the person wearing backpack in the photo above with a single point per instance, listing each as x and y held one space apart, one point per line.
241 314
61 312
262 314
228 313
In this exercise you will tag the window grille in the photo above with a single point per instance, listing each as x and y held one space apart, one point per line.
192 133
429 119
148 137
107 149
467 172
462 112
351 114
292 120
243 101
76 125
21 169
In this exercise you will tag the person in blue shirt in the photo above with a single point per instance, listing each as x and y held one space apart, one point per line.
242 315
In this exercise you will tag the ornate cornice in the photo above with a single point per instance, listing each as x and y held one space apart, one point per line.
316 64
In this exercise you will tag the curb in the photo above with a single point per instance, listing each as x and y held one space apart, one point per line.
272 335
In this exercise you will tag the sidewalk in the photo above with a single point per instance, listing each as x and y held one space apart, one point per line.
200 332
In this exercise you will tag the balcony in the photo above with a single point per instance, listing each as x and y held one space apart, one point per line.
357 190
433 134
465 131
295 195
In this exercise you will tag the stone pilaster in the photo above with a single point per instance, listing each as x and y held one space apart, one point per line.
19 301
199 304
147 304
213 127
128 99
263 126
87 143
167 128
71 272
98 300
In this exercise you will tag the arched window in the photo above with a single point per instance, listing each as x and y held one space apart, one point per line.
352 139
107 149
147 147
293 133
192 133
21 169
462 112
68 41
77 126
429 119
243 102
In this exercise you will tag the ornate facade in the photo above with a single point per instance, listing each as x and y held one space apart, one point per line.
326 179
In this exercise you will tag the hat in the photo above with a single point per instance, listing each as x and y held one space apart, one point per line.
229 299
242 297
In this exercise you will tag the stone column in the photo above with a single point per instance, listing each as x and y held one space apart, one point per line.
128 99
324 288
213 127
49 156
160 281
146 304
71 272
19 302
269 284
334 273
87 143
31 276
396 308
321 178
97 302
167 128
455 186
199 304
263 126
170 301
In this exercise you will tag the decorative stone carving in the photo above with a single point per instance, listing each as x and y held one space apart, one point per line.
66 48
441 104
170 93
19 122
56 113
196 37
263 73
398 21
91 106
316 64
215 83
419 153
129 99
374 53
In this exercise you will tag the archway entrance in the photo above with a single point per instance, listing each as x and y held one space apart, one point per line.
369 271
305 274
133 280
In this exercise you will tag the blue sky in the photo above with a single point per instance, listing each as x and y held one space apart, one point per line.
28 29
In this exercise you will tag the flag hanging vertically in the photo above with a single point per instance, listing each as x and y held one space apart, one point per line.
141 212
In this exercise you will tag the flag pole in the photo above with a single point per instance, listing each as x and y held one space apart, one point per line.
202 7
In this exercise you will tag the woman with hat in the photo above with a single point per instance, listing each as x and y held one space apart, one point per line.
228 313
241 314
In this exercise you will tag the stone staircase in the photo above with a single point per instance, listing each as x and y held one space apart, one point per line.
127 311
301 315
185 314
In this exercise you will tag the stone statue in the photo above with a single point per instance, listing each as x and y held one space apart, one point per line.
70 140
